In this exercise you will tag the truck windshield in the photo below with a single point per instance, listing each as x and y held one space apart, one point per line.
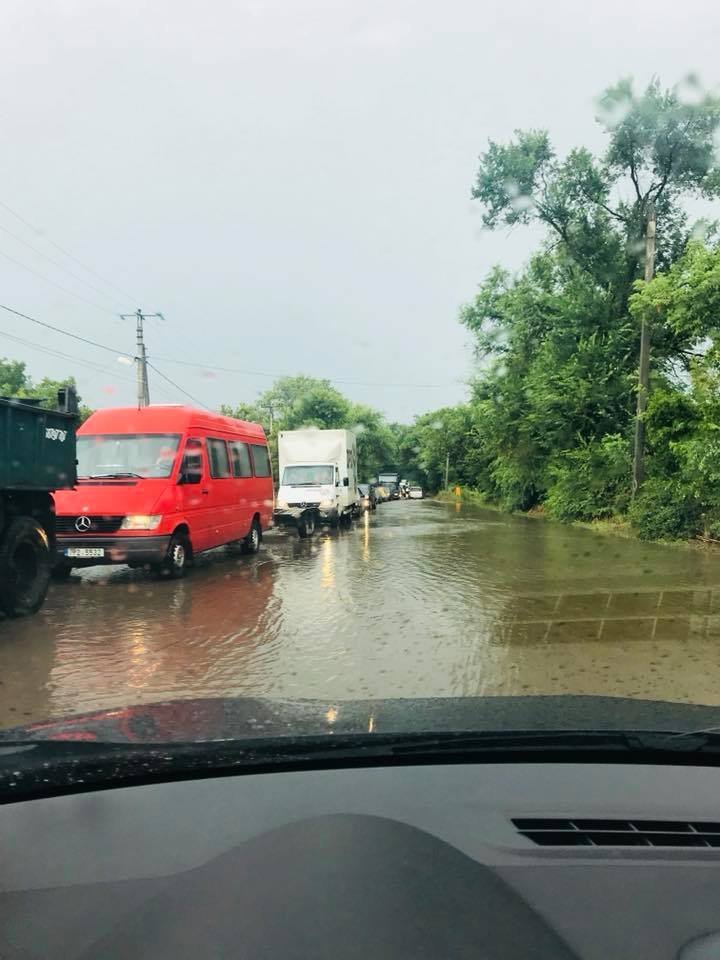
311 475
126 454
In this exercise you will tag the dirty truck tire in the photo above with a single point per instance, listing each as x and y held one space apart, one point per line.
251 543
24 567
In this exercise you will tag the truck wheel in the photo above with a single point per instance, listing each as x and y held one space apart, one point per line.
306 526
178 557
24 567
251 543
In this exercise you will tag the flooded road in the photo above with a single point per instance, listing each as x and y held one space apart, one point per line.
420 599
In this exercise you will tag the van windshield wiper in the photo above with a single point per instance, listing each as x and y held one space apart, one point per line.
38 768
113 476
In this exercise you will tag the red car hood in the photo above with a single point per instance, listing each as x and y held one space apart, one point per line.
109 498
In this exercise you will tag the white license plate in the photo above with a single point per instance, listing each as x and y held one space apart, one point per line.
84 552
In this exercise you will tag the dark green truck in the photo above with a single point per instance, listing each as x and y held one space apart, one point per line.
37 456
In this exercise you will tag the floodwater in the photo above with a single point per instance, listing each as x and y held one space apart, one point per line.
419 599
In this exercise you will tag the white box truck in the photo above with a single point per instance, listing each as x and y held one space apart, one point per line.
318 478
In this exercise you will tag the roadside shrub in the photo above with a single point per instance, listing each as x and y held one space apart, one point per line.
592 481
514 485
666 510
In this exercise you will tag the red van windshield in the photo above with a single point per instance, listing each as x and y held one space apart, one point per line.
127 454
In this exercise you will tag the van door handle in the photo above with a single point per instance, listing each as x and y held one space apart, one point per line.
205 493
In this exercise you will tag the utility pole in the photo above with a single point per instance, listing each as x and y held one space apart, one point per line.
644 362
143 389
447 469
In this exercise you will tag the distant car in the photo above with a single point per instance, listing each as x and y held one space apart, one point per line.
416 493
381 494
367 499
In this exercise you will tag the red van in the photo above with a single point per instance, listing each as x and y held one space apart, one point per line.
159 484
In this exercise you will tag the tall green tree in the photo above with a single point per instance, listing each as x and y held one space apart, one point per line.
660 150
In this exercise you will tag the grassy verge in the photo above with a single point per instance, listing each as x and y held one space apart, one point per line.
612 526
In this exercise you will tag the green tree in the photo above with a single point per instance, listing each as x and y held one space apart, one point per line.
301 401
13 377
15 382
661 150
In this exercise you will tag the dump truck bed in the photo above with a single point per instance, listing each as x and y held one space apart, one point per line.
37 447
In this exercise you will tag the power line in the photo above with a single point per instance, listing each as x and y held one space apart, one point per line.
75 336
53 283
55 263
72 359
41 233
61 355
177 386
275 376
206 366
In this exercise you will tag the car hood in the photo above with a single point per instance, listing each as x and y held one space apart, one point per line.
244 717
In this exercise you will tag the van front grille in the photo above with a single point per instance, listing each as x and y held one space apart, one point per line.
98 524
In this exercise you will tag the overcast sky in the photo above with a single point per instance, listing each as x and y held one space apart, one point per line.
288 182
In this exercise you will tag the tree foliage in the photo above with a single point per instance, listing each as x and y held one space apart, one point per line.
16 382
550 420
292 403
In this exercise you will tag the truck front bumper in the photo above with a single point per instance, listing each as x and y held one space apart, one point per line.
132 550
290 516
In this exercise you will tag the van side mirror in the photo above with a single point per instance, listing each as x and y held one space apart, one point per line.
346 481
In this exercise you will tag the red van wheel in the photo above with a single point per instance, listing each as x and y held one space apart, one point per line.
178 557
251 543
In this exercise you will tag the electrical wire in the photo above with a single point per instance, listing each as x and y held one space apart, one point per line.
41 233
206 366
177 386
53 283
108 371
63 356
56 263
274 376
75 336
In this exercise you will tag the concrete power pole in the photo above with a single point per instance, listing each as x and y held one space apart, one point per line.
447 469
644 362
143 389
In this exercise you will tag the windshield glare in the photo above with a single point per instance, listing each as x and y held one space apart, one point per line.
139 454
308 476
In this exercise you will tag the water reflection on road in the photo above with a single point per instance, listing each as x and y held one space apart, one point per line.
420 599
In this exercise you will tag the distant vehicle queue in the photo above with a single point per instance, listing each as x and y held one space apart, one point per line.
157 485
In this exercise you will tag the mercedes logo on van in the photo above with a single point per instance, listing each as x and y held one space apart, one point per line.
83 524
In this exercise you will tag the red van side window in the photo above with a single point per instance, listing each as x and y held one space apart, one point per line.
192 465
219 461
261 461
240 454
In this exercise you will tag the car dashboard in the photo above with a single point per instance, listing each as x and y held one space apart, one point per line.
408 861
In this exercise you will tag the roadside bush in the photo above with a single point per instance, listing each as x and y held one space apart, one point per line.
513 484
666 510
592 481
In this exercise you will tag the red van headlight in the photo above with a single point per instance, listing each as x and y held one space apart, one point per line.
141 521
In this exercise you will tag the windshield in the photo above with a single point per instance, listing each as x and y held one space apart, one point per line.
308 476
133 454
370 352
